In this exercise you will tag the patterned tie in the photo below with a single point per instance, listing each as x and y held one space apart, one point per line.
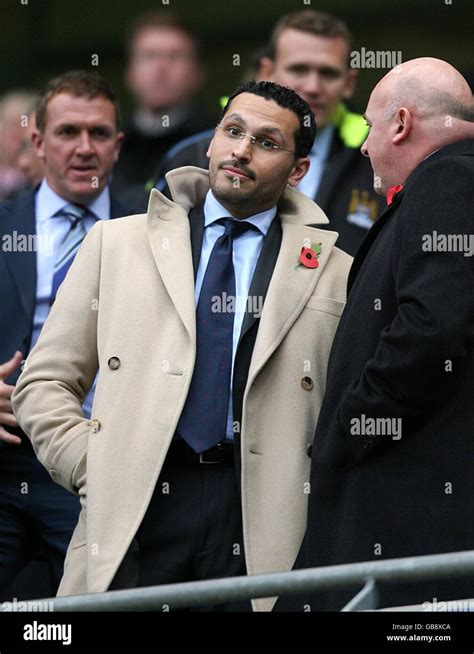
70 245
203 421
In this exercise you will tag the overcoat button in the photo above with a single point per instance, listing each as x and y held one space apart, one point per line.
114 363
95 426
307 383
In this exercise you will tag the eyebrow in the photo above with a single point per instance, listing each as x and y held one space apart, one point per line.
105 127
323 68
236 117
266 129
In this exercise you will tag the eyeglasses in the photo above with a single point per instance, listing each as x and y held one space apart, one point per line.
262 142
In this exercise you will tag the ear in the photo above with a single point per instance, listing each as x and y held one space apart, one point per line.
209 149
402 125
118 145
37 139
299 170
350 85
266 69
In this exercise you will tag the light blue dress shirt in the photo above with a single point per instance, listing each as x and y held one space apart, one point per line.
309 185
51 232
247 248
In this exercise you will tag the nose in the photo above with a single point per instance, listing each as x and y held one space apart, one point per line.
242 149
363 149
85 146
312 83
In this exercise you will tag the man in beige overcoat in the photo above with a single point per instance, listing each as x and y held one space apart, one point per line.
196 460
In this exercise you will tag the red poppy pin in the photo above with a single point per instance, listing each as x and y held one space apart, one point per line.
309 256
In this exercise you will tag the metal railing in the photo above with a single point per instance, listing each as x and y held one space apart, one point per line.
215 591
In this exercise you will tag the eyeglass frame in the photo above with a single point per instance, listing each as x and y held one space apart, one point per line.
255 139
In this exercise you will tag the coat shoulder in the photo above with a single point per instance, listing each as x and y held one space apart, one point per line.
120 234
124 224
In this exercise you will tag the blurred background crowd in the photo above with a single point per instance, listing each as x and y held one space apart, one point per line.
181 61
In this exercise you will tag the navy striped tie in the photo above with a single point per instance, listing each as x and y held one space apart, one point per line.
203 421
70 245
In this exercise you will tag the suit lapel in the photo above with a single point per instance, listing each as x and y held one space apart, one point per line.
19 219
196 224
263 272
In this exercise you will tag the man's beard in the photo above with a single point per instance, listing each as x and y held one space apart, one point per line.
236 197
252 200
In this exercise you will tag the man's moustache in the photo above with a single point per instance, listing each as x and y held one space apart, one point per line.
237 166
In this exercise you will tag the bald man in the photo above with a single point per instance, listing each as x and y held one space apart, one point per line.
392 471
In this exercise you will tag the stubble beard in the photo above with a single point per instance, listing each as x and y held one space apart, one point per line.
250 201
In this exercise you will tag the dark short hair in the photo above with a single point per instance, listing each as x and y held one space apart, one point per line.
288 99
163 20
313 22
80 83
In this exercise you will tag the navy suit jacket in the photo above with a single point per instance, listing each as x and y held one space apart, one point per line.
18 275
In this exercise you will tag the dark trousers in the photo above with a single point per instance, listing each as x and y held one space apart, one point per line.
35 515
192 530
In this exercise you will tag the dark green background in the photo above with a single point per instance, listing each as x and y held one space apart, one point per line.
46 37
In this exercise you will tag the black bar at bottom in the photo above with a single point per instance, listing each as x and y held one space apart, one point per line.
400 631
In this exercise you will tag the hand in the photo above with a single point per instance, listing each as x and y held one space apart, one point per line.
6 412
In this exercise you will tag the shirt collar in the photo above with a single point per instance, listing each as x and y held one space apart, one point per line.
213 210
48 203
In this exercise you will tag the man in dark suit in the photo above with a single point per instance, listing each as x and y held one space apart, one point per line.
392 467
310 52
78 138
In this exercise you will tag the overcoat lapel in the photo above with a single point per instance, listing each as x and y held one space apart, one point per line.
289 290
169 237
370 238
